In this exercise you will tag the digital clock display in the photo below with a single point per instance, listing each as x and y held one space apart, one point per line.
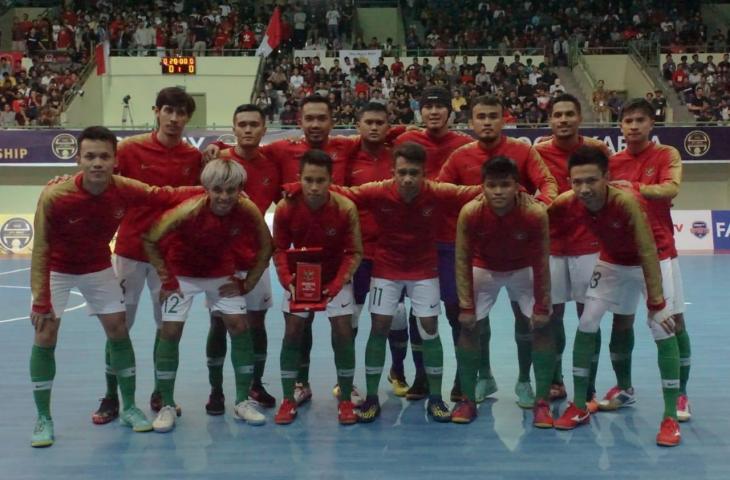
178 65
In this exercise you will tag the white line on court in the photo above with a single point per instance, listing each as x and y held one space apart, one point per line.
15 271
17 319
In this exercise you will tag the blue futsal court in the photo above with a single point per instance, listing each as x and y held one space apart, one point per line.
403 443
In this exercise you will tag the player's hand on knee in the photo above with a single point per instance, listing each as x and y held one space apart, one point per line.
211 153
664 318
165 294
539 320
234 288
40 320
467 319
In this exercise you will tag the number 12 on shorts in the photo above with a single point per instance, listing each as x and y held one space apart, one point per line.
171 304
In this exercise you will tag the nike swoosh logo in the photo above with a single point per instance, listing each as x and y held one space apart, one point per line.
434 305
343 305
266 299
578 418
355 172
145 167
74 220
243 309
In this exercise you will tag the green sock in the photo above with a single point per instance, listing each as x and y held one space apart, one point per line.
668 355
242 359
594 367
559 336
685 355
288 362
111 377
42 373
121 357
215 350
583 348
168 358
305 350
260 344
154 358
374 362
468 362
433 361
523 338
543 362
345 365
621 346
485 335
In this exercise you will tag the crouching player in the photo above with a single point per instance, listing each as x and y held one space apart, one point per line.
199 258
628 265
313 217
500 243
74 223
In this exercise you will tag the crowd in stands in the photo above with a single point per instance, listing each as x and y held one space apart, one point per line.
703 85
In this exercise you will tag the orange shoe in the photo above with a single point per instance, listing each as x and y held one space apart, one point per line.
572 417
287 412
542 416
464 412
346 413
668 435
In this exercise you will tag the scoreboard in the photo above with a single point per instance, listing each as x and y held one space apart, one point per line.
178 65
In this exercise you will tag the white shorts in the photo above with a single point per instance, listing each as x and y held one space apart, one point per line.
622 286
176 309
569 277
342 304
100 290
132 276
678 303
488 283
425 296
259 298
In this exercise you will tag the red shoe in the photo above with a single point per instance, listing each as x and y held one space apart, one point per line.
346 413
542 417
572 417
683 411
108 411
557 392
258 394
668 435
464 412
287 412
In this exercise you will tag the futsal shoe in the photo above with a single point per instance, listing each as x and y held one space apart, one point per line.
287 412
247 412
398 383
42 433
525 395
542 417
557 392
302 393
419 390
346 413
216 403
617 398
258 394
683 410
438 410
134 418
108 410
369 410
485 387
156 403
668 435
464 412
165 420
592 404
572 417
355 396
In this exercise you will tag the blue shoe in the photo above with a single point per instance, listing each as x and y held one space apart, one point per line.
134 418
438 410
525 395
42 433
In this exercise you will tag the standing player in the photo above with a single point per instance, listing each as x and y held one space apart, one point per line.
159 158
573 256
502 244
464 168
439 142
317 218
628 265
74 223
263 188
199 237
656 172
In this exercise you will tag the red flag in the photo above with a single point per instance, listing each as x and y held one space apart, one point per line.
101 56
272 38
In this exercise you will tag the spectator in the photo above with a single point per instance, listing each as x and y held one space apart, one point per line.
615 104
556 88
7 117
458 106
600 103
288 117
333 22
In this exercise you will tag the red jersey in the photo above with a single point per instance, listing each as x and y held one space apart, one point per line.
623 231
287 152
656 172
578 240
438 149
144 158
200 243
333 227
73 227
519 239
406 244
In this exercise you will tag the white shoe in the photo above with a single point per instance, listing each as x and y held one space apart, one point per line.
165 420
247 411
356 397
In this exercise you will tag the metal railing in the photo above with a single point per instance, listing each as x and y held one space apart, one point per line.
172 52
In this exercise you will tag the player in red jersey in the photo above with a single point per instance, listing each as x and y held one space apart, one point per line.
628 265
463 167
199 257
263 188
405 257
317 218
439 142
656 172
159 158
572 257
501 243
74 223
